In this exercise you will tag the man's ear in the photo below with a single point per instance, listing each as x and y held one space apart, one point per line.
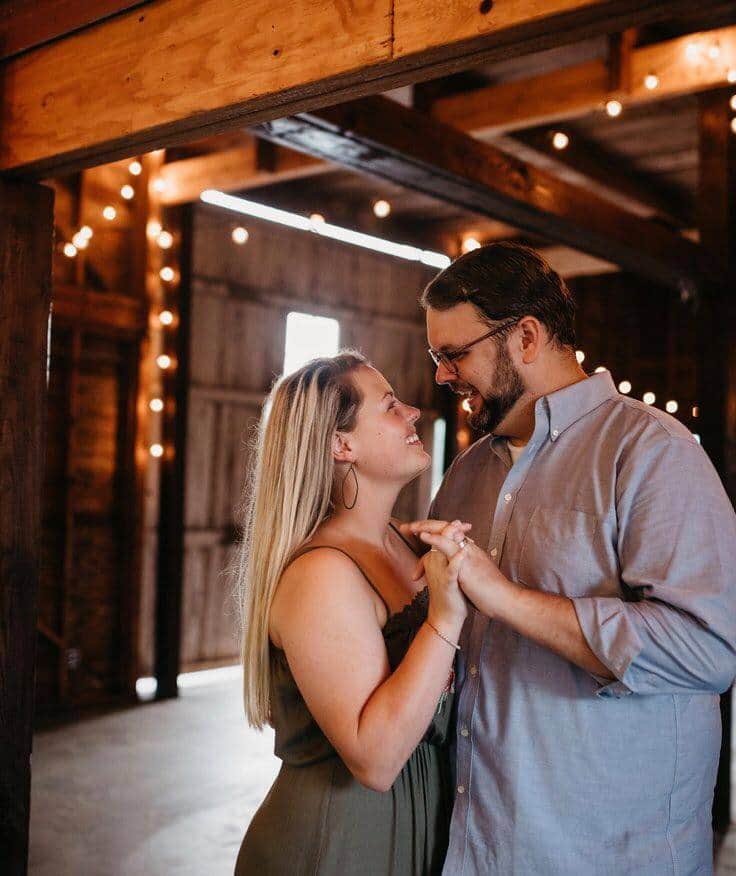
532 339
342 449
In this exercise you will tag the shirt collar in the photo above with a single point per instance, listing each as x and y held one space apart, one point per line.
569 404
560 409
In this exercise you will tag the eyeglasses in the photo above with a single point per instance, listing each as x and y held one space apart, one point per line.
448 358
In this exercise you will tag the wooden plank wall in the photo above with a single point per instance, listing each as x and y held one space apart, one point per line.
241 296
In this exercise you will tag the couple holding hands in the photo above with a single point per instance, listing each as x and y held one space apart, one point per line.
538 692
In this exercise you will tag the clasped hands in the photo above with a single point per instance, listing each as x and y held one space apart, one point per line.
455 560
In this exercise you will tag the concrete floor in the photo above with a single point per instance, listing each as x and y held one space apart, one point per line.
162 789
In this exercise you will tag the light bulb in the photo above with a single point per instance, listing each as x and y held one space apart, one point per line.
167 274
381 209
153 229
135 167
731 75
671 407
70 250
696 411
466 406
469 244
165 240
649 398
109 213
166 317
732 102
127 192
163 361
317 218
599 369
613 108
624 387
240 235
156 450
651 81
80 241
86 232
560 140
156 405
580 356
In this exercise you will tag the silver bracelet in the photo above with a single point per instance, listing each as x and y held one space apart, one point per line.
444 638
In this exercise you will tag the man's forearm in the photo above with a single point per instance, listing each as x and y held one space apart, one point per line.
545 618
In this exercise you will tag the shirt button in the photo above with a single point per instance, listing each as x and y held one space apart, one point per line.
555 433
474 670
461 789
494 551
507 497
464 731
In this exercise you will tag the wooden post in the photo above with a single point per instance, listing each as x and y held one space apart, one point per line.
26 239
170 567
717 338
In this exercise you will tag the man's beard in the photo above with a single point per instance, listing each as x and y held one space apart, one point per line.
507 389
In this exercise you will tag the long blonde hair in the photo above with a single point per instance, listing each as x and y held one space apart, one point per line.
288 496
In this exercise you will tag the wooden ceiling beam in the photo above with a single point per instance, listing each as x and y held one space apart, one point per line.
682 66
180 69
236 169
379 137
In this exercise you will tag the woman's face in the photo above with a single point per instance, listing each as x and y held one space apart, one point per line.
384 442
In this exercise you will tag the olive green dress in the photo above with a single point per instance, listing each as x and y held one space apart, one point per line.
317 820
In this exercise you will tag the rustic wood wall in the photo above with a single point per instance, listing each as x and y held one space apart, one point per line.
241 296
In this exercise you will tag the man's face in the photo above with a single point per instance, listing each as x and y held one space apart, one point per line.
485 374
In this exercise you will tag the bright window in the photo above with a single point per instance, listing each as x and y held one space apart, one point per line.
307 337
439 430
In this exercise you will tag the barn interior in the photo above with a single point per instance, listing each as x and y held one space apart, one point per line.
187 278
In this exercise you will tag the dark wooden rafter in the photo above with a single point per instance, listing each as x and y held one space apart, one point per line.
382 138
159 93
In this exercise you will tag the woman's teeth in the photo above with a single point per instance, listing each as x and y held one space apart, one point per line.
413 439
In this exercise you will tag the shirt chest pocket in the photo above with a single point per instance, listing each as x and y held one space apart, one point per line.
559 551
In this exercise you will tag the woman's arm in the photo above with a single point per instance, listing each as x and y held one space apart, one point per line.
325 617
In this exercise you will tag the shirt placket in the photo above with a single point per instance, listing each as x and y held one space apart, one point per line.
479 639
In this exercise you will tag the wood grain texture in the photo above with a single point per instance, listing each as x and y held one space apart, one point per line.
179 69
26 229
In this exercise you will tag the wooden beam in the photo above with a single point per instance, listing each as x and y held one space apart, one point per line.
184 68
122 315
584 88
377 136
232 170
26 229
25 26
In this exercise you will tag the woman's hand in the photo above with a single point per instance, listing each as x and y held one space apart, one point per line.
480 579
448 607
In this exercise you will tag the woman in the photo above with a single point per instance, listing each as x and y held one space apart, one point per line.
348 657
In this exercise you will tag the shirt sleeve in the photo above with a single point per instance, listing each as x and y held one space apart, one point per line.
674 629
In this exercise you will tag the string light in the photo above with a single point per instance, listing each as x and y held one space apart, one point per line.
469 244
153 229
651 81
80 241
316 218
560 140
600 368
731 75
135 167
580 356
671 407
165 240
86 232
109 213
127 192
156 405
240 235
613 108
70 250
732 102
159 185
733 124
163 361
649 398
714 52
381 209
696 411
466 406
692 50
156 450
166 317
167 274
624 387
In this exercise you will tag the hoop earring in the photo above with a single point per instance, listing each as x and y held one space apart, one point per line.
350 471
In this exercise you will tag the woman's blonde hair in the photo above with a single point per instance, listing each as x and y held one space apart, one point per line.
289 494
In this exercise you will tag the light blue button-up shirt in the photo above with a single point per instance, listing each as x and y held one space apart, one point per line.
615 505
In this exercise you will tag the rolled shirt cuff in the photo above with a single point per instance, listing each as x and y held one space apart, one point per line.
611 637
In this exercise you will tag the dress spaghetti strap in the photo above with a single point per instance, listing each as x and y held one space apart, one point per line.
306 550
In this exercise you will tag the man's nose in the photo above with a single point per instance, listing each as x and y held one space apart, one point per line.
444 375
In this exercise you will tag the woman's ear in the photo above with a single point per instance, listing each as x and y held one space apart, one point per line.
341 448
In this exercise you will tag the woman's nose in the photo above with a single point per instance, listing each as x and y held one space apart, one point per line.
414 415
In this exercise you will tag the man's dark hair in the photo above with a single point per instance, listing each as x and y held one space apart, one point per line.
503 281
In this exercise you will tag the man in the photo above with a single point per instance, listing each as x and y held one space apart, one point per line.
603 580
